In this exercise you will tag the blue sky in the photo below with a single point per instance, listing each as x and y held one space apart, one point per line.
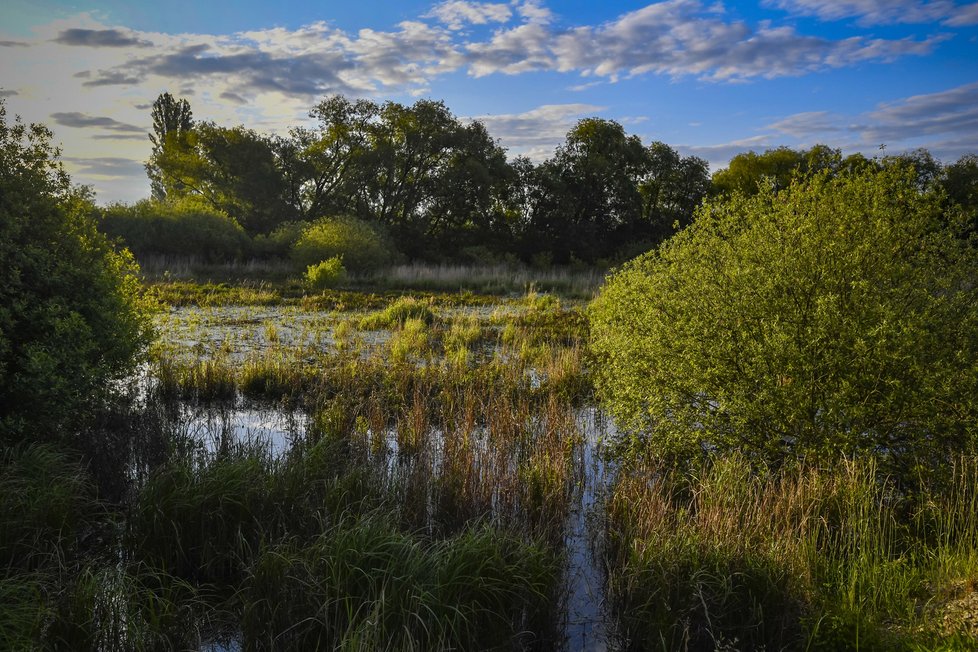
709 78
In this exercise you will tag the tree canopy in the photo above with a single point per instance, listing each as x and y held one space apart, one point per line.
839 315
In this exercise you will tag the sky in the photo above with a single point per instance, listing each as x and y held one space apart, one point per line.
711 79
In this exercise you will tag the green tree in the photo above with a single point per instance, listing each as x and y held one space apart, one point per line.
71 320
321 166
232 169
172 121
671 189
599 167
838 316
750 172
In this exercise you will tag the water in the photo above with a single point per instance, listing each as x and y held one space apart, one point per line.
586 625
219 429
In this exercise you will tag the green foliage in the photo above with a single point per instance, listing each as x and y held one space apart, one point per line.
279 242
398 313
71 317
327 274
172 121
836 317
362 247
798 558
182 227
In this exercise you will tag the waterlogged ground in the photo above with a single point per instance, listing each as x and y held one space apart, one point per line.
235 335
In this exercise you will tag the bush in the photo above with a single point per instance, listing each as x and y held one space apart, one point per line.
835 317
362 247
327 274
186 227
279 242
72 322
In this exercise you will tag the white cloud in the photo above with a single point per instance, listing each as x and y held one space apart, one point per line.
456 14
877 12
679 38
536 133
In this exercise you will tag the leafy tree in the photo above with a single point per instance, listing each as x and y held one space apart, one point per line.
598 169
748 173
232 169
838 316
71 320
960 182
321 166
671 189
408 150
466 204
172 121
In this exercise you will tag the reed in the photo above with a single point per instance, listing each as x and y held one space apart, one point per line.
799 558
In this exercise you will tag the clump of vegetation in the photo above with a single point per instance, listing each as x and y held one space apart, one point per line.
327 274
73 321
399 312
839 316
362 247
798 558
186 227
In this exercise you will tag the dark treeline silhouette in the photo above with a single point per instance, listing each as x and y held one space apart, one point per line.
443 190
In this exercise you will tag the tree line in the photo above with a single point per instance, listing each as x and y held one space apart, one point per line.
440 189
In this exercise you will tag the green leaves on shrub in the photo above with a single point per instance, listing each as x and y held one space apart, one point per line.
327 274
186 227
836 316
362 247
72 320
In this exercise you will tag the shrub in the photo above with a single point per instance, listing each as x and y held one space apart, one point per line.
362 247
836 316
71 317
327 274
279 242
186 227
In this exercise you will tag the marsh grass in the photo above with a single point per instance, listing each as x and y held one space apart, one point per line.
487 279
797 559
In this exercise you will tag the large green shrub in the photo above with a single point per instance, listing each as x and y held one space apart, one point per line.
71 320
185 227
362 247
836 316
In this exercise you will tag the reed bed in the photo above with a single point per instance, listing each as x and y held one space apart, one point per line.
735 557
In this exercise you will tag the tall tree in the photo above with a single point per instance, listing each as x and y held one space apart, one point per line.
671 190
172 122
234 170
320 166
598 169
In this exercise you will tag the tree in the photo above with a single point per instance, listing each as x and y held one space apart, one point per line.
321 166
71 318
838 316
749 172
232 169
598 167
671 190
172 121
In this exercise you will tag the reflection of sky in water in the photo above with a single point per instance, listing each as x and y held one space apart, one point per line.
586 627
222 429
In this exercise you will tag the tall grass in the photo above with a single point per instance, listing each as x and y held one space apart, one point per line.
488 279
796 559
